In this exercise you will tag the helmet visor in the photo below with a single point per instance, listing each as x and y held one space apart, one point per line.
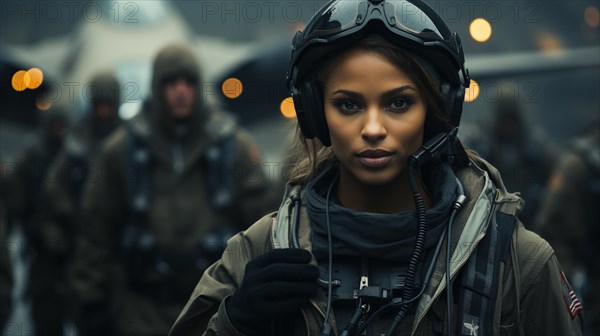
401 17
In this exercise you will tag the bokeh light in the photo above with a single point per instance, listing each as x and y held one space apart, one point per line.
287 108
472 92
232 88
591 17
20 81
34 77
480 29
42 102
548 43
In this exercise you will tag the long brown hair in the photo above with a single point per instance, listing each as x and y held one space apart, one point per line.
311 156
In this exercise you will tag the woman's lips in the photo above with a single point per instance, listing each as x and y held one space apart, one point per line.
375 162
374 158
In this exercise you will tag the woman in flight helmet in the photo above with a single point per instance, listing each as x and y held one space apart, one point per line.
384 203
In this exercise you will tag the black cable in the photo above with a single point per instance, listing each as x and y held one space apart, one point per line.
334 283
349 330
428 275
360 308
326 329
417 250
297 205
448 282
458 203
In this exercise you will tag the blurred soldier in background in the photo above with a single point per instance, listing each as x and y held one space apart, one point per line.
63 191
174 184
26 202
6 279
570 221
521 152
5 276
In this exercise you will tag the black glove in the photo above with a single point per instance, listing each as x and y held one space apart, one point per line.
275 284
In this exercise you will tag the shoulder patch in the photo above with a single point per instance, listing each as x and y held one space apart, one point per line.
569 296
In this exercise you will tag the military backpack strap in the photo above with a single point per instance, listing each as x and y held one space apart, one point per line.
139 247
480 279
137 175
219 160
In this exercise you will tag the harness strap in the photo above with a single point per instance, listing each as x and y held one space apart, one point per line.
481 278
221 173
138 175
219 160
142 254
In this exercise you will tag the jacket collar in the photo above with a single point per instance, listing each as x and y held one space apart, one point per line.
484 190
485 193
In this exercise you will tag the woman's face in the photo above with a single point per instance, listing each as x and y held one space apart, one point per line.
375 116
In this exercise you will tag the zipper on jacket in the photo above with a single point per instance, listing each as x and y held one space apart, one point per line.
364 273
364 282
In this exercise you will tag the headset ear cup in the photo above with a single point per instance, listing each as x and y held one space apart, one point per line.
453 100
314 114
299 104
433 124
448 95
459 98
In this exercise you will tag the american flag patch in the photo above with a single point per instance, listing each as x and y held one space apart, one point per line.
571 300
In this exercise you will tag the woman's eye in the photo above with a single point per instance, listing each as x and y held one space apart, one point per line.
346 106
400 104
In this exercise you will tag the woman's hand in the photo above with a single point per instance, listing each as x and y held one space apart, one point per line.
275 284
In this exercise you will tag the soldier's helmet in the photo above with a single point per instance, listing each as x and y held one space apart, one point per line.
409 24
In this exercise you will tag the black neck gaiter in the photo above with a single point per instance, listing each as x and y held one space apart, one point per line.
375 235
